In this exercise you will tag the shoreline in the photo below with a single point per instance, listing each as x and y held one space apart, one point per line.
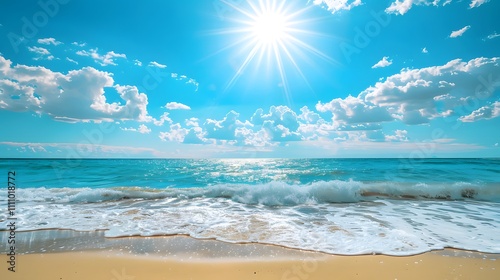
69 240
68 254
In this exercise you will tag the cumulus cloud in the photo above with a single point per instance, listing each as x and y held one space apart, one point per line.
384 62
164 118
486 112
338 5
103 60
48 41
223 129
177 106
424 50
353 110
413 95
460 32
157 65
78 95
477 3
137 62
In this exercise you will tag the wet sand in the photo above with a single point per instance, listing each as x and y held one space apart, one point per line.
76 255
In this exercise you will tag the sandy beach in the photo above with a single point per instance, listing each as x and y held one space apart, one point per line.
181 257
100 265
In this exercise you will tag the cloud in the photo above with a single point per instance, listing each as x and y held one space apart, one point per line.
76 96
223 129
176 133
177 106
460 32
424 50
48 41
308 116
338 5
402 7
103 60
493 36
178 77
137 62
353 110
164 118
157 65
79 44
143 129
41 52
477 3
399 136
383 63
417 96
71 60
486 113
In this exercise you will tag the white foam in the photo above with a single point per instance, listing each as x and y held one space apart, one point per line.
276 213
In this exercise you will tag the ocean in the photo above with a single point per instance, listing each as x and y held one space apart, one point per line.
337 206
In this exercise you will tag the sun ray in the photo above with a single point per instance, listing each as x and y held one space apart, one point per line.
270 32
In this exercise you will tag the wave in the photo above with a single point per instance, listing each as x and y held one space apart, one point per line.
277 193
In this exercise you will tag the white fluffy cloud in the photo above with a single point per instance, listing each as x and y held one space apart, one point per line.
103 60
157 65
460 32
78 95
353 110
177 106
486 112
48 41
338 5
164 118
414 95
384 62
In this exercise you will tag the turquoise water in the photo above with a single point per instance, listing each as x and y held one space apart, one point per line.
341 206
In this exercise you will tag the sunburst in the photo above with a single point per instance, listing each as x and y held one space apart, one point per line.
269 34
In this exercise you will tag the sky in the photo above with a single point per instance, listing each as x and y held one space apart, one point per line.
249 78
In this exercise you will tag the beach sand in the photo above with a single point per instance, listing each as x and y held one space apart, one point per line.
181 257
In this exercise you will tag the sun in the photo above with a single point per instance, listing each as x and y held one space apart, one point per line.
270 35
269 28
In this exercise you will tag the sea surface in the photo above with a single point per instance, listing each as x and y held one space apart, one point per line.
338 206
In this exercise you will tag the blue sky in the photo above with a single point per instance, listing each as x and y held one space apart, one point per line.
256 78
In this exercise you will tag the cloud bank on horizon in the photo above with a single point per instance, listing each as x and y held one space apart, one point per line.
209 87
